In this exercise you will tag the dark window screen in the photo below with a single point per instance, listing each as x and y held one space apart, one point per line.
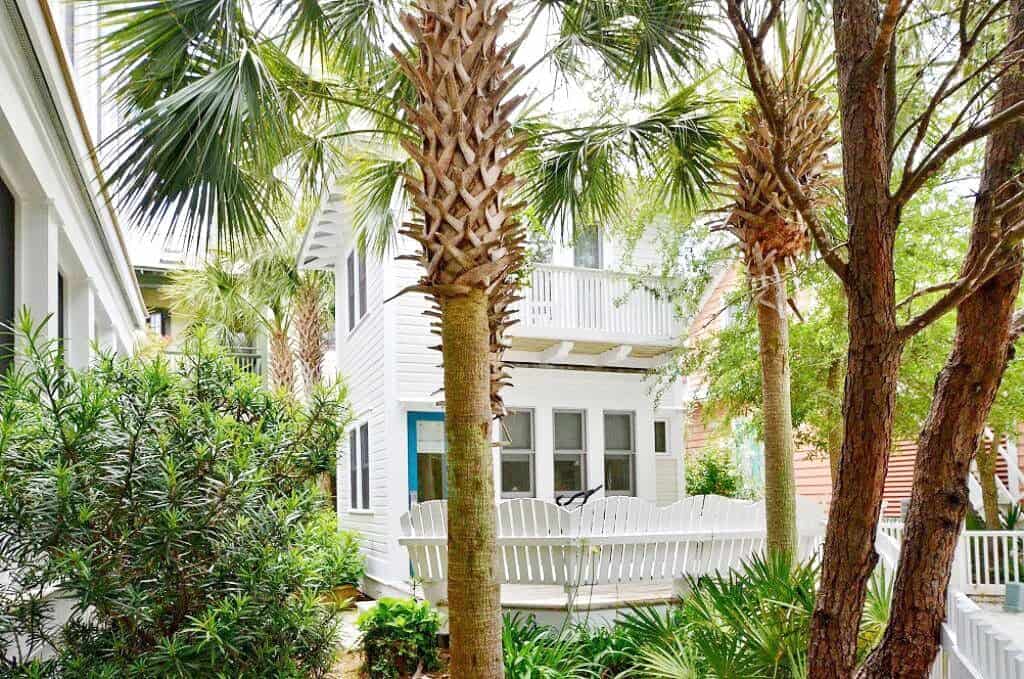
6 275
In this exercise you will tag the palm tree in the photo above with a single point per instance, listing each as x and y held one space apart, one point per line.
772 236
220 112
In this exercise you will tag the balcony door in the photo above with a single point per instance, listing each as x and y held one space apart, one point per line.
6 274
591 285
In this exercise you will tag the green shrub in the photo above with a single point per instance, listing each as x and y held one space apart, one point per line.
176 506
399 636
334 554
713 472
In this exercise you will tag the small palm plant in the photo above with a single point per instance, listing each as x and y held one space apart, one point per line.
772 236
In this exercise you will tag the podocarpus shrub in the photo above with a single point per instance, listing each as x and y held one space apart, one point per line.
176 508
399 637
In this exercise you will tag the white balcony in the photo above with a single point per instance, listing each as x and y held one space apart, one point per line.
592 311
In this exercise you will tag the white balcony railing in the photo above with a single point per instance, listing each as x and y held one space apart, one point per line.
594 304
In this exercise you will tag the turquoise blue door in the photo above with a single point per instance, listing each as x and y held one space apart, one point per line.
428 459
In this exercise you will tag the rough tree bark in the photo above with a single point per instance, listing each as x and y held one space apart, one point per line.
779 490
311 325
873 356
964 393
986 459
282 361
474 596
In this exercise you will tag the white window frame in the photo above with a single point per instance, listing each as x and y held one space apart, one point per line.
359 459
518 453
654 431
628 454
356 294
581 454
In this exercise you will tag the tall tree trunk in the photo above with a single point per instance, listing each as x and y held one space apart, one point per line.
282 361
779 486
873 356
986 459
964 393
471 249
311 325
474 596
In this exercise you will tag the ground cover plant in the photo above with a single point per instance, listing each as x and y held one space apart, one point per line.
750 623
174 510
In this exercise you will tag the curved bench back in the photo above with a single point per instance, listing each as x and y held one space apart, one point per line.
610 540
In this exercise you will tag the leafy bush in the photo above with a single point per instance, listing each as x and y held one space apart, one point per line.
176 507
333 554
714 472
399 637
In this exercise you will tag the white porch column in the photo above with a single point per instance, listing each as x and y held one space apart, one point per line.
35 262
81 321
595 449
544 455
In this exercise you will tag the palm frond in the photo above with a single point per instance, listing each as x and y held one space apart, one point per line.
374 184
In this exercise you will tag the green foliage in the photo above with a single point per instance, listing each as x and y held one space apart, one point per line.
535 651
399 636
750 623
713 472
333 554
175 507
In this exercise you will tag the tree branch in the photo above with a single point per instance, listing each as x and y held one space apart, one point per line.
894 9
912 182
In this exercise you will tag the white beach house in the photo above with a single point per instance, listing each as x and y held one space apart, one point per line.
62 253
582 410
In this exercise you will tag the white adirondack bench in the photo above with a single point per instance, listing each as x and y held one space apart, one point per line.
615 540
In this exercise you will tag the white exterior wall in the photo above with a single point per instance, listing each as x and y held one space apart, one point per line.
391 371
62 222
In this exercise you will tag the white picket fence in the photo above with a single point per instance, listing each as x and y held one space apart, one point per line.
991 558
971 647
614 540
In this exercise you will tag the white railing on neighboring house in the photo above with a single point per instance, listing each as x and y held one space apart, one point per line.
971 647
607 541
579 302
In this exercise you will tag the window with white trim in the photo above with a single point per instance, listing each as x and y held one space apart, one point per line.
517 453
355 278
359 466
619 452
570 450
661 437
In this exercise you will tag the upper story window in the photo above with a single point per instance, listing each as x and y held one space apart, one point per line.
359 466
517 454
587 251
661 436
570 450
619 453
355 276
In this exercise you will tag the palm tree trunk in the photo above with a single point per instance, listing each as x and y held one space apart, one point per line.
779 486
986 459
310 324
834 441
282 361
473 591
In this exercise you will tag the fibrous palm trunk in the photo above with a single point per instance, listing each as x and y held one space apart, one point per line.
772 235
310 327
779 484
282 361
964 393
471 245
986 459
